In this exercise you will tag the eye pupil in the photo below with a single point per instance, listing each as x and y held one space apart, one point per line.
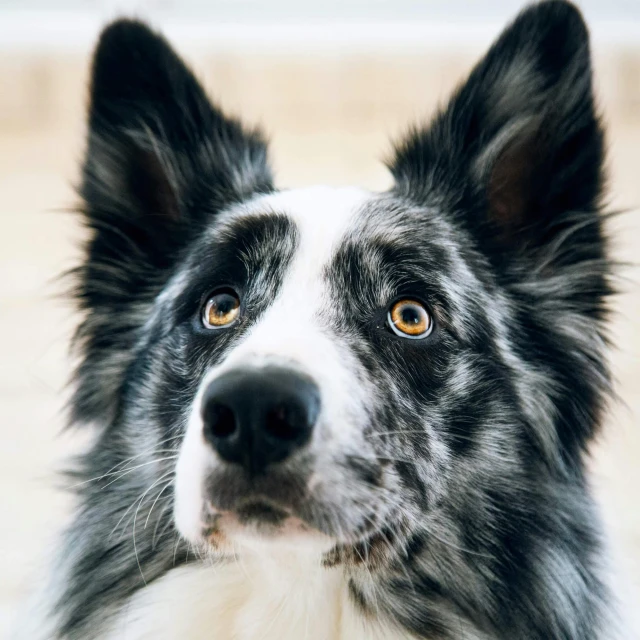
409 319
410 315
223 304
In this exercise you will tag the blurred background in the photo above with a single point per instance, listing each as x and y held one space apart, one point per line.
331 82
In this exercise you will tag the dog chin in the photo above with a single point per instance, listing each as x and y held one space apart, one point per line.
262 527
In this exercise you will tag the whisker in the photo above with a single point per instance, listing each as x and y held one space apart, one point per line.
457 548
166 526
424 434
377 458
135 547
166 486
111 471
131 470
175 549
397 432
365 563
168 523
122 517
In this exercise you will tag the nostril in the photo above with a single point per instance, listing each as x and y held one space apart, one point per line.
220 420
282 423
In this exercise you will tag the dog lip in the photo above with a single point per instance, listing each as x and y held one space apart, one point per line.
261 511
258 519
250 510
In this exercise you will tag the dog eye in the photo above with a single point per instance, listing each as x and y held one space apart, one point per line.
409 319
221 309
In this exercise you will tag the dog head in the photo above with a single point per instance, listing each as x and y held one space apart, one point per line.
335 365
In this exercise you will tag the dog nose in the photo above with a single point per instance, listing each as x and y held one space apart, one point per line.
258 417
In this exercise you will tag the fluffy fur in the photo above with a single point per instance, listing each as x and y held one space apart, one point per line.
443 493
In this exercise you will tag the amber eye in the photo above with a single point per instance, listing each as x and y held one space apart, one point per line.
221 310
409 319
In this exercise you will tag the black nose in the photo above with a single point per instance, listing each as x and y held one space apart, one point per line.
257 417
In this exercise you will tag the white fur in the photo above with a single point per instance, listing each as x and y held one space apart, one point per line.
276 595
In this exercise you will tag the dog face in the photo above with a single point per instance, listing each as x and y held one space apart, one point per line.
316 297
416 372
317 333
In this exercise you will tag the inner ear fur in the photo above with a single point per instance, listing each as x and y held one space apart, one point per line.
513 176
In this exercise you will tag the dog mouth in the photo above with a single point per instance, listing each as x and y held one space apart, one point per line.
286 505
262 513
258 519
258 524
254 520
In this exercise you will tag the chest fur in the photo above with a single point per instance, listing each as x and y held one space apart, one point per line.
276 599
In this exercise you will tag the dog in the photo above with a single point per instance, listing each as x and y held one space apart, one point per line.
327 413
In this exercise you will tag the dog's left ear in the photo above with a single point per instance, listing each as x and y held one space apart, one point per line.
519 148
160 157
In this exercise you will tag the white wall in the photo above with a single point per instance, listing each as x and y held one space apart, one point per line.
73 24
302 10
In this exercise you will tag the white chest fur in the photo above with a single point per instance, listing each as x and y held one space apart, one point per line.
282 597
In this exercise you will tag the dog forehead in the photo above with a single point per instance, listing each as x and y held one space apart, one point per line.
291 325
322 216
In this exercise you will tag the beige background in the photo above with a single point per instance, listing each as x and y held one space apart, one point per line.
330 114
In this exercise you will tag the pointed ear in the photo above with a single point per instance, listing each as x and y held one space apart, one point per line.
519 149
160 158
160 162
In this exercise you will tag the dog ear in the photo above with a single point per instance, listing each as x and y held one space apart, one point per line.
160 161
160 158
516 156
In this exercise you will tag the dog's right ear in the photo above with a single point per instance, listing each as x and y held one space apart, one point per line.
160 158
160 162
